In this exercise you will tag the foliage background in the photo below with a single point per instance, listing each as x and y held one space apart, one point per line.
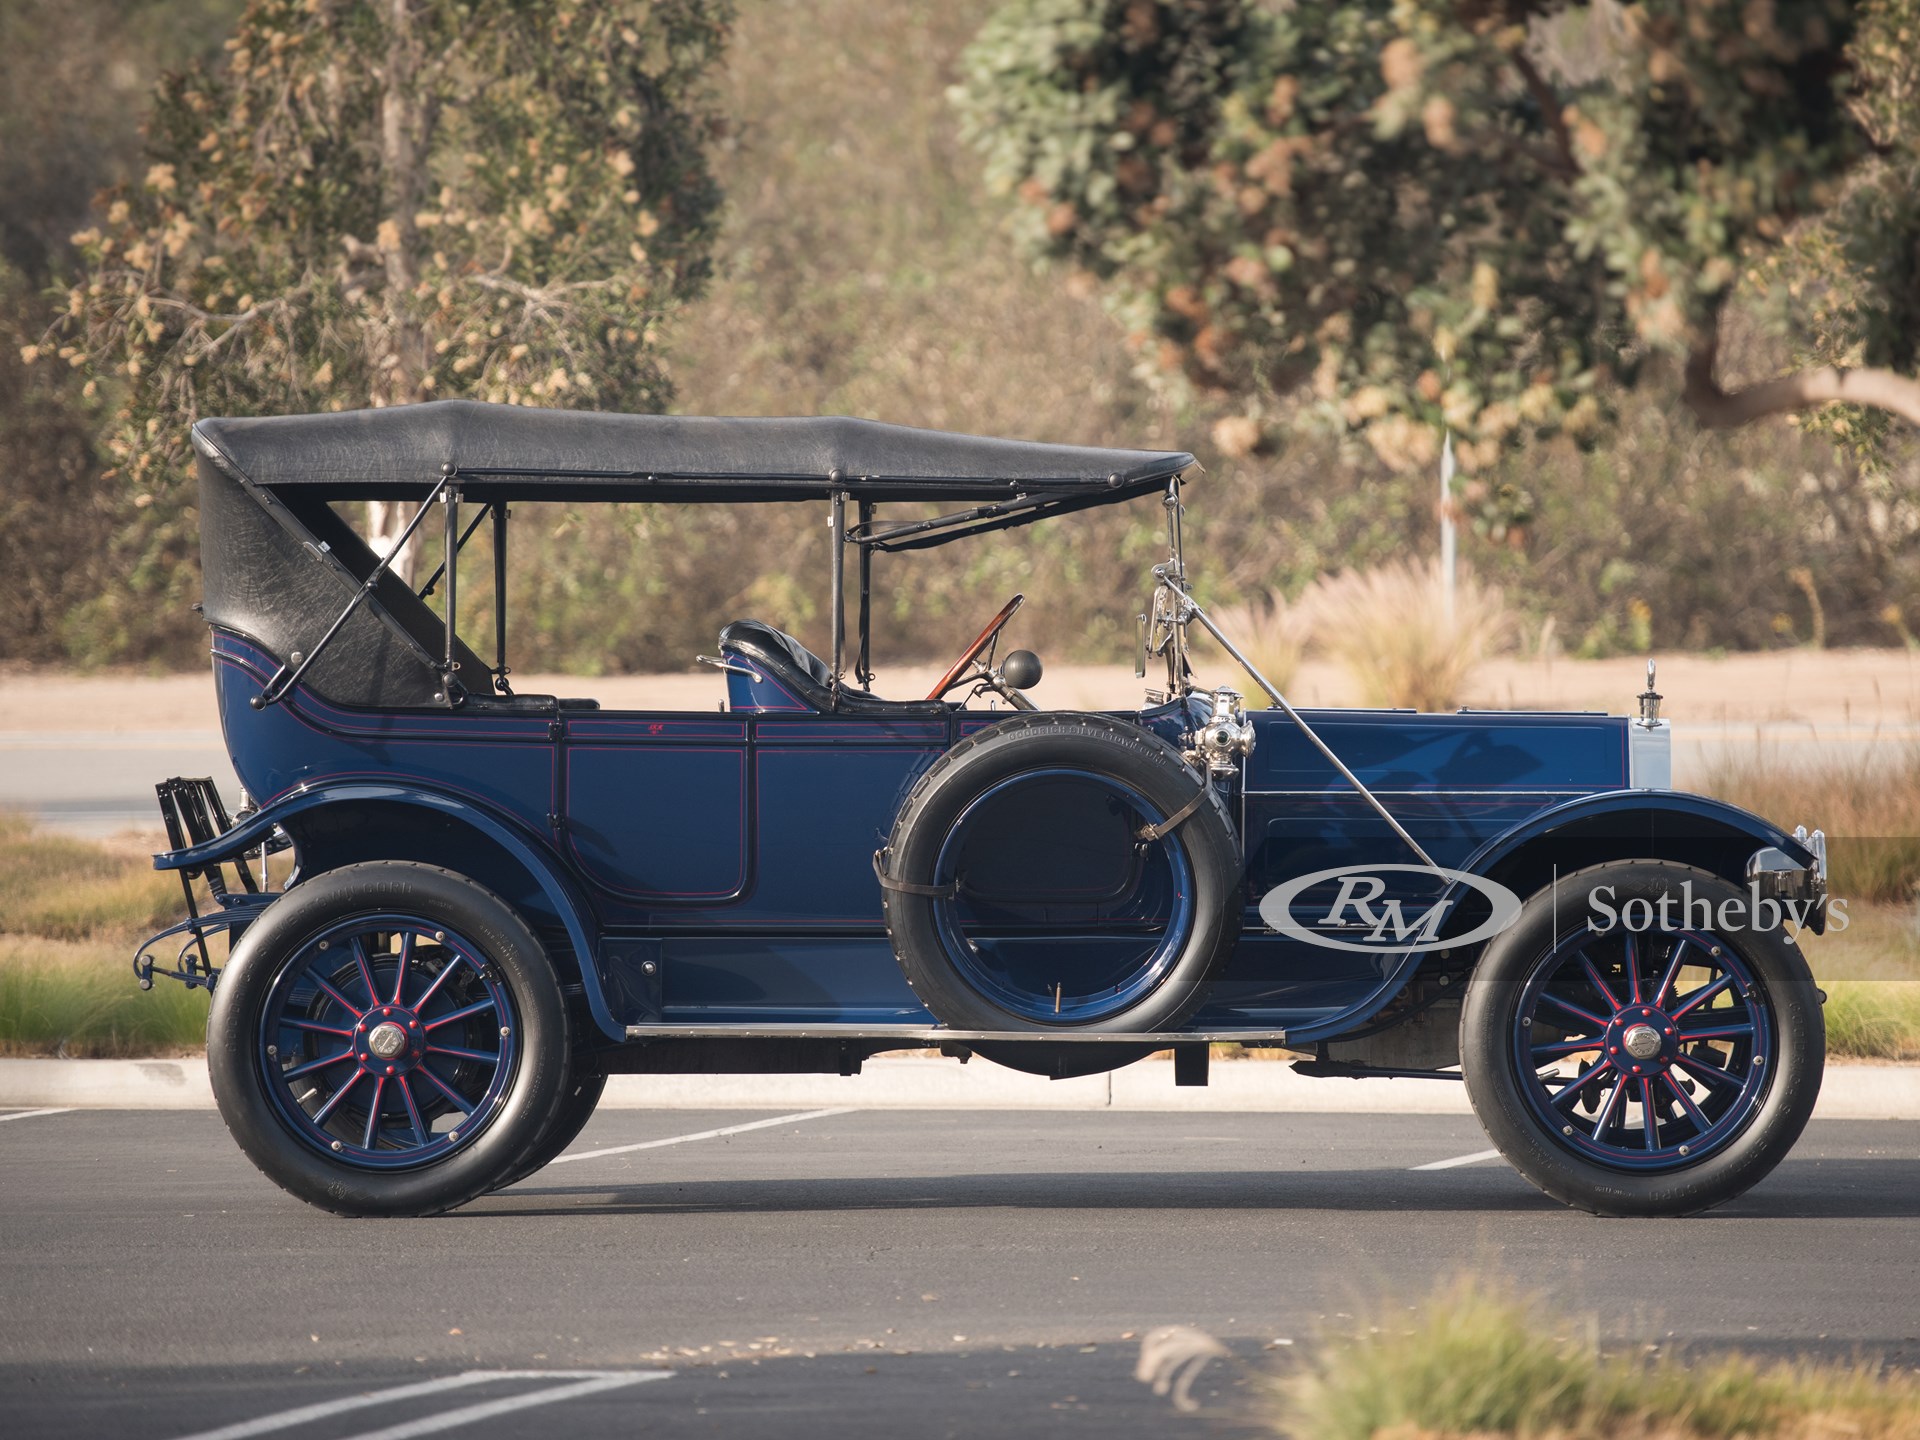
862 268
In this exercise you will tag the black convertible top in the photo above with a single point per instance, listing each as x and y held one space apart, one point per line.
508 452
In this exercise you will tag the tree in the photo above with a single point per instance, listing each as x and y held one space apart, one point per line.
1487 215
374 202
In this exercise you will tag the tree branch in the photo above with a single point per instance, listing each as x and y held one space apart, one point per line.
1549 104
1720 409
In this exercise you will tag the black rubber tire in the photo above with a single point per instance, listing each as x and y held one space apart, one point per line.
585 1085
1490 1012
525 1111
1099 744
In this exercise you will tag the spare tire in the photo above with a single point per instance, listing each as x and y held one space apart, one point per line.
1061 872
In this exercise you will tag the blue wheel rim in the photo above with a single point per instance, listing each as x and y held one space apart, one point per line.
388 1042
1587 1063
1150 944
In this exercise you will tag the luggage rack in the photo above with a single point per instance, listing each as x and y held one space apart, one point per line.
194 814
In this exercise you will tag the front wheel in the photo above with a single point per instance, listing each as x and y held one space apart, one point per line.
388 1039
1636 1045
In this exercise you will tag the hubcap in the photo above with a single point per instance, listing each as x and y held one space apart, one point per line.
1642 1041
388 1040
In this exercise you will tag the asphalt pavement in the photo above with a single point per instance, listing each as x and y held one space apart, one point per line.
855 1273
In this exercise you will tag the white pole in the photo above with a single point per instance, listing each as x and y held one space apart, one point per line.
1447 547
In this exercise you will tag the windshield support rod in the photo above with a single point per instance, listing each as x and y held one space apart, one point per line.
1206 620
451 499
282 682
837 601
863 666
499 508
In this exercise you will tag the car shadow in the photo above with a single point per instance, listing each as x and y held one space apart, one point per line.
1798 1190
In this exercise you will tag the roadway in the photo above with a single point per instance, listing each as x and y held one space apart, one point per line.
843 1274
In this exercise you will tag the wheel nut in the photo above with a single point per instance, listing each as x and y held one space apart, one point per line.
453 1135
505 1030
1684 1150
442 935
1566 1129
336 1145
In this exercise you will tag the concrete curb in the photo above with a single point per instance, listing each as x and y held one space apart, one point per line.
1850 1092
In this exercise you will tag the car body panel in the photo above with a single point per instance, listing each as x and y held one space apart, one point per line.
733 850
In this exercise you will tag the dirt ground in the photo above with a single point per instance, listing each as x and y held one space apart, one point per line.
1836 695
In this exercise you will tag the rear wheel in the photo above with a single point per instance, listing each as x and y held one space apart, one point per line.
1631 1062
388 1039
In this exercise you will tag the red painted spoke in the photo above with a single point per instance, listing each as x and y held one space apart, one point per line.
1673 971
1572 1087
489 1055
1710 1073
1567 1047
1633 967
1599 1021
445 971
1648 1120
459 1100
400 975
320 1115
413 1110
1701 996
1606 992
1694 1112
316 1027
461 1014
373 1114
1607 1107
312 1065
338 999
1717 1032
366 972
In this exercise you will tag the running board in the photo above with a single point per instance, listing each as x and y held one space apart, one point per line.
936 1035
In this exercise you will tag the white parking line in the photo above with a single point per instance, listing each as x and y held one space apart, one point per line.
487 1409
590 1381
706 1134
30 1114
1473 1159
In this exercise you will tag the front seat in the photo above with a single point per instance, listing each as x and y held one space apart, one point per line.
807 676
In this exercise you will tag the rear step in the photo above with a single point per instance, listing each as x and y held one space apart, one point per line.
194 814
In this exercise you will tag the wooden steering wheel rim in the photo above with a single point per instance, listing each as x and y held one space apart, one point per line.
980 642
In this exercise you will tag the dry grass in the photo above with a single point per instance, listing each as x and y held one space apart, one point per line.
1390 628
1270 632
1867 800
61 888
1478 1360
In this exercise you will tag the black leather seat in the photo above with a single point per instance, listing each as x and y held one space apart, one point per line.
808 676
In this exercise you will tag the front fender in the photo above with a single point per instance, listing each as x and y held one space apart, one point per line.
553 882
1590 830
1665 821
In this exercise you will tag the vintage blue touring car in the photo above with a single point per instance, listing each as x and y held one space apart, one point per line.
496 900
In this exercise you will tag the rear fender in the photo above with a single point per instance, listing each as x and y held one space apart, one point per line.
336 825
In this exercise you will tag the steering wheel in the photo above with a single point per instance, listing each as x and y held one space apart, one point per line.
979 646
